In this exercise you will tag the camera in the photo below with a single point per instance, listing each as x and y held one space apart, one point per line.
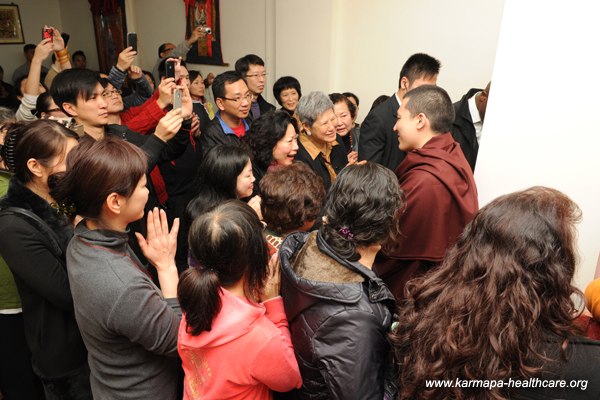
206 29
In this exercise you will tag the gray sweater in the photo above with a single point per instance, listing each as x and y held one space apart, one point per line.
129 329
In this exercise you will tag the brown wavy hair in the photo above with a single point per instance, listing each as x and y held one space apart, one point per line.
290 196
502 289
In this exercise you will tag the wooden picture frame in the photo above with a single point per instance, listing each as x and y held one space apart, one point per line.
110 31
11 30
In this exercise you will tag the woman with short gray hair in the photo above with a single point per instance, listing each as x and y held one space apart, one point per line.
319 145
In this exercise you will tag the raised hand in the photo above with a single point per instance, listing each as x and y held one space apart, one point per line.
165 92
160 245
126 58
59 42
135 72
169 125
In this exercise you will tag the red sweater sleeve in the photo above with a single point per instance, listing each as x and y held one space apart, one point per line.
143 119
275 364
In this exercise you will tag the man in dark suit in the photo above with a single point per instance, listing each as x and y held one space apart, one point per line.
252 68
466 129
378 141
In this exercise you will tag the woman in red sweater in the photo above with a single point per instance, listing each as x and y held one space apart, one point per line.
234 340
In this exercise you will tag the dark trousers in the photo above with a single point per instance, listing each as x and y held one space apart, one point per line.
17 380
74 386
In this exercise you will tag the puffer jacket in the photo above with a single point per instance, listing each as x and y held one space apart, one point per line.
339 313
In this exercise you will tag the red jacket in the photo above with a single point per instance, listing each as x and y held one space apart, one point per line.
143 119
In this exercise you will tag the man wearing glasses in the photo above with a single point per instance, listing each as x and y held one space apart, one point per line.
233 99
252 68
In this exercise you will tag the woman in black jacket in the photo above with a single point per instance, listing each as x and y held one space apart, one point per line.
339 311
34 234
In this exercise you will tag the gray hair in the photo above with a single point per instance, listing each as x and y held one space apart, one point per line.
6 115
311 106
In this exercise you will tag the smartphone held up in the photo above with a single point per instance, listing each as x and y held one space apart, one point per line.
132 41
48 33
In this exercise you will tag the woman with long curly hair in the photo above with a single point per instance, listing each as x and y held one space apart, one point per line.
500 309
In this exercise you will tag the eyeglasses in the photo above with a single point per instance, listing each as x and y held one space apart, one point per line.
53 110
264 74
109 93
247 97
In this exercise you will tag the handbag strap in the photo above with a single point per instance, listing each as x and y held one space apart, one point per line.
38 223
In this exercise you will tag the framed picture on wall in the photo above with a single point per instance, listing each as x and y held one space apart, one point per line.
109 29
11 31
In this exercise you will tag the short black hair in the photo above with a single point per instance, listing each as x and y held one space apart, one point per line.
78 53
161 48
434 102
419 65
221 80
70 84
265 132
28 46
194 74
350 94
243 64
339 98
42 103
283 83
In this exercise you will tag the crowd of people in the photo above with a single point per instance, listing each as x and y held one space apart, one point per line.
180 237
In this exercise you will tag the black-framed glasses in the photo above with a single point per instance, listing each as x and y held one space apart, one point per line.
109 93
247 97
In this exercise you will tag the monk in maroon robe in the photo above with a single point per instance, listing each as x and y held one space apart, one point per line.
441 196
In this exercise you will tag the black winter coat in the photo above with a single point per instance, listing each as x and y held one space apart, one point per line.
41 277
339 313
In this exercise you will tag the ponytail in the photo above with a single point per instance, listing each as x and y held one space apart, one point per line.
199 296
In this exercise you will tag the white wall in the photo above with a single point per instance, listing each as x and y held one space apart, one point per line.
34 15
374 39
542 118
339 45
72 16
243 30
78 22
303 42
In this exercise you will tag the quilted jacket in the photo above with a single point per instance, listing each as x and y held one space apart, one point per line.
339 313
